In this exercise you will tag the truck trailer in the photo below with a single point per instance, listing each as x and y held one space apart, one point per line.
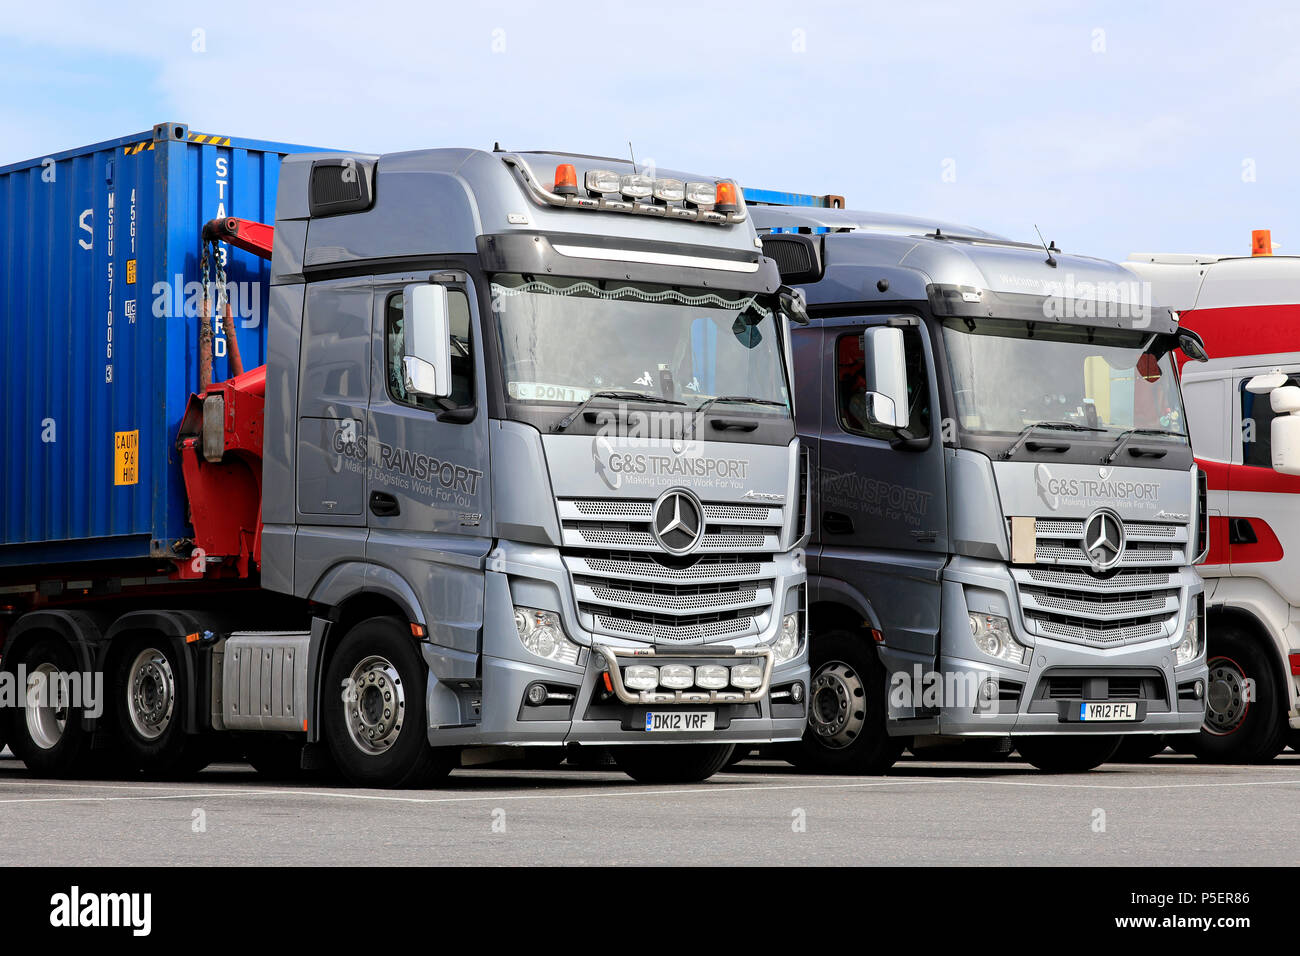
411 461
1241 407
1006 511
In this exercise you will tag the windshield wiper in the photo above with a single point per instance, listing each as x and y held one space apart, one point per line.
569 419
1124 437
1028 430
704 406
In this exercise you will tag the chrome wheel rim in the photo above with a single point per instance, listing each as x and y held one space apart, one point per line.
374 701
1226 703
837 709
48 718
150 693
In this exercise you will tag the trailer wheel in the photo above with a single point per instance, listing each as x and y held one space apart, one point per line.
49 738
672 763
374 709
150 702
846 710
1066 754
1237 728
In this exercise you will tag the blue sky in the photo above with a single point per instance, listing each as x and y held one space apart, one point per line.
1116 127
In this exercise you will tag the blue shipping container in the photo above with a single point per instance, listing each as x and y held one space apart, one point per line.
99 270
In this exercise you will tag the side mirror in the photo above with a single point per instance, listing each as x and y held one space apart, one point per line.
886 376
1284 433
426 342
1192 345
1265 382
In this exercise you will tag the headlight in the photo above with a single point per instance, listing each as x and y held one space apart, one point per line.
1189 648
542 634
992 635
787 643
746 676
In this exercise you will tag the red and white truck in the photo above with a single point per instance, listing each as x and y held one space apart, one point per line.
1241 408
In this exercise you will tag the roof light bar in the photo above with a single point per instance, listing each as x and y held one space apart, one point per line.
609 191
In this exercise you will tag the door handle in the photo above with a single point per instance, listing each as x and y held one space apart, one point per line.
383 504
835 523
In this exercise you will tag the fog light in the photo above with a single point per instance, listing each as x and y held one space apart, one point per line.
1199 689
677 676
536 694
796 692
746 676
711 676
636 186
602 181
701 194
670 190
641 677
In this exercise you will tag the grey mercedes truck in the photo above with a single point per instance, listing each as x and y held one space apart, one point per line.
519 469
1006 511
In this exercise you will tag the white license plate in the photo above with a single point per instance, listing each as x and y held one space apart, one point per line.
1128 711
678 720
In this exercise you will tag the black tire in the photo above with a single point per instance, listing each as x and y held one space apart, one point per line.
374 743
1139 748
1067 754
672 763
36 737
148 698
1238 730
846 710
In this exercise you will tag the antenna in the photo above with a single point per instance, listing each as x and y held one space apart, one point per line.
632 154
1051 259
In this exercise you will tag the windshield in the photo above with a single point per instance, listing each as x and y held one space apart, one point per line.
563 339
1008 375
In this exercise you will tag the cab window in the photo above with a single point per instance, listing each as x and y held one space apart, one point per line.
850 368
462 355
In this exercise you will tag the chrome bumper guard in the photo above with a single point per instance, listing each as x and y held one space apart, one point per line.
613 655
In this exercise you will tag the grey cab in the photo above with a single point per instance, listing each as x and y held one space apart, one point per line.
1006 511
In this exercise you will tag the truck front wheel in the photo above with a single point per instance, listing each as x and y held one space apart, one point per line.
1066 754
1244 722
672 763
846 710
150 704
48 737
374 709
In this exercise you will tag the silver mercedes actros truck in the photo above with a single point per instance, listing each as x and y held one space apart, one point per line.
520 471
1006 508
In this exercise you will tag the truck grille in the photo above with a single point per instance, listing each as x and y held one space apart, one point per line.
627 585
1125 607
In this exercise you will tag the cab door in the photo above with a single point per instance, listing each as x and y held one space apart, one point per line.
428 492
1263 526
882 505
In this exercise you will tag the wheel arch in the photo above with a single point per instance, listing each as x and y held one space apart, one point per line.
175 628
81 630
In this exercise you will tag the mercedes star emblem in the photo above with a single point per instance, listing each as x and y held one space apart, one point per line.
678 522
1103 539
